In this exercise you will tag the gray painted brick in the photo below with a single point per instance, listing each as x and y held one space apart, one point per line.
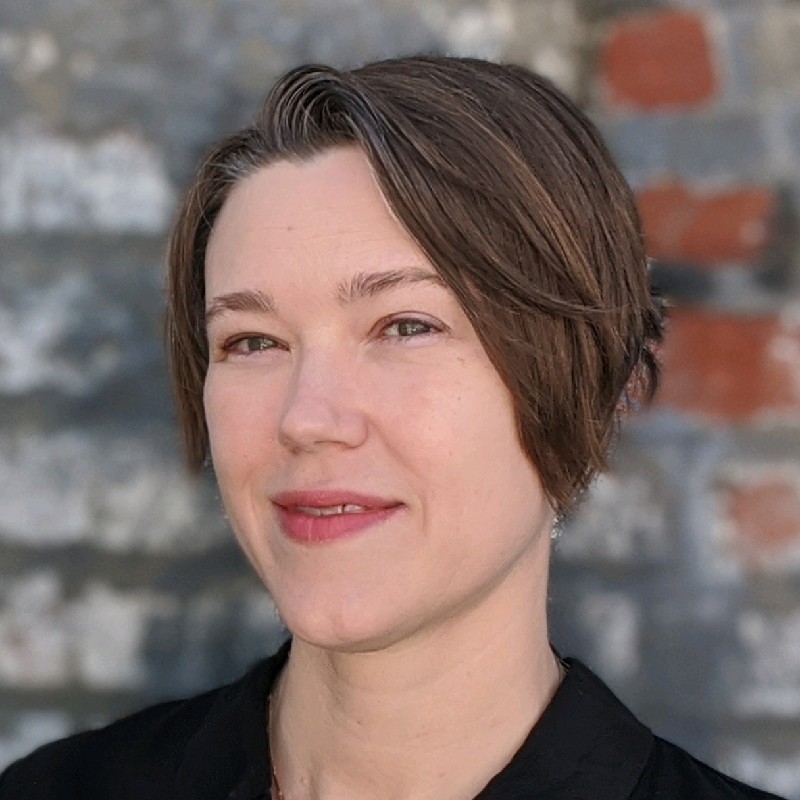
29 730
639 144
34 639
778 54
116 184
738 57
721 147
779 772
116 492
622 521
765 682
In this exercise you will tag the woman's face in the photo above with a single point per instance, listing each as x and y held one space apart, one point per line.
364 445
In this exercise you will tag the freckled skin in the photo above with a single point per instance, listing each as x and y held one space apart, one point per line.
340 399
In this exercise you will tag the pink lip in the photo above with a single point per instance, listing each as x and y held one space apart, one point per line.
307 529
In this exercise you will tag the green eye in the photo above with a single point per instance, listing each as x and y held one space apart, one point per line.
255 343
245 345
405 328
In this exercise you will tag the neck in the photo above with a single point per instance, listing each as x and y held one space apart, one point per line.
403 722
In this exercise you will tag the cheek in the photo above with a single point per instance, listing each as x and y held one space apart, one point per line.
476 474
240 419
419 421
440 423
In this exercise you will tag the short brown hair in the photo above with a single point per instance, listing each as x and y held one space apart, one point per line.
509 190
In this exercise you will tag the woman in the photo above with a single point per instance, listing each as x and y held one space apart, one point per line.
407 307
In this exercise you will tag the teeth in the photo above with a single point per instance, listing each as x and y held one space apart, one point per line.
328 511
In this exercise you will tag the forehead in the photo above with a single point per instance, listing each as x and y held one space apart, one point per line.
330 203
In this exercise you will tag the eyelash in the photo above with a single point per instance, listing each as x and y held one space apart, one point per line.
232 345
236 346
431 327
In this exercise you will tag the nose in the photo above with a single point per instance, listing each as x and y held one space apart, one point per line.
322 406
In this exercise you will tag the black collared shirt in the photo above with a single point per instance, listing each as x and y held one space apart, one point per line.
586 746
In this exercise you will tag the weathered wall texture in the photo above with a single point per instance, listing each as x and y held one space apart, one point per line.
679 580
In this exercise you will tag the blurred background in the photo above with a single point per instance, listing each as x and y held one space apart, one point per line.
678 580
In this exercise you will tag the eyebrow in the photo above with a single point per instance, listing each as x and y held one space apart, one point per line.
370 284
244 300
361 285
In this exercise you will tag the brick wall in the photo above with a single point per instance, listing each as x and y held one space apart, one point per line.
679 577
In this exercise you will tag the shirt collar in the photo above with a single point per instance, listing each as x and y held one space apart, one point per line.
228 755
585 746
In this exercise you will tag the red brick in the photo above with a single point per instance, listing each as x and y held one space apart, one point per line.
658 60
730 368
759 516
765 512
704 227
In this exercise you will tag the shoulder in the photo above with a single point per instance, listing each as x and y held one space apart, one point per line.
134 751
148 754
603 744
672 773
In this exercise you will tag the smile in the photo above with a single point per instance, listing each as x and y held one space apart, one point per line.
328 511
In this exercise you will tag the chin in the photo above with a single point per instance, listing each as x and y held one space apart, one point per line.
343 628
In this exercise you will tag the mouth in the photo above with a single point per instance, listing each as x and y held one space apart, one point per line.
329 511
311 517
